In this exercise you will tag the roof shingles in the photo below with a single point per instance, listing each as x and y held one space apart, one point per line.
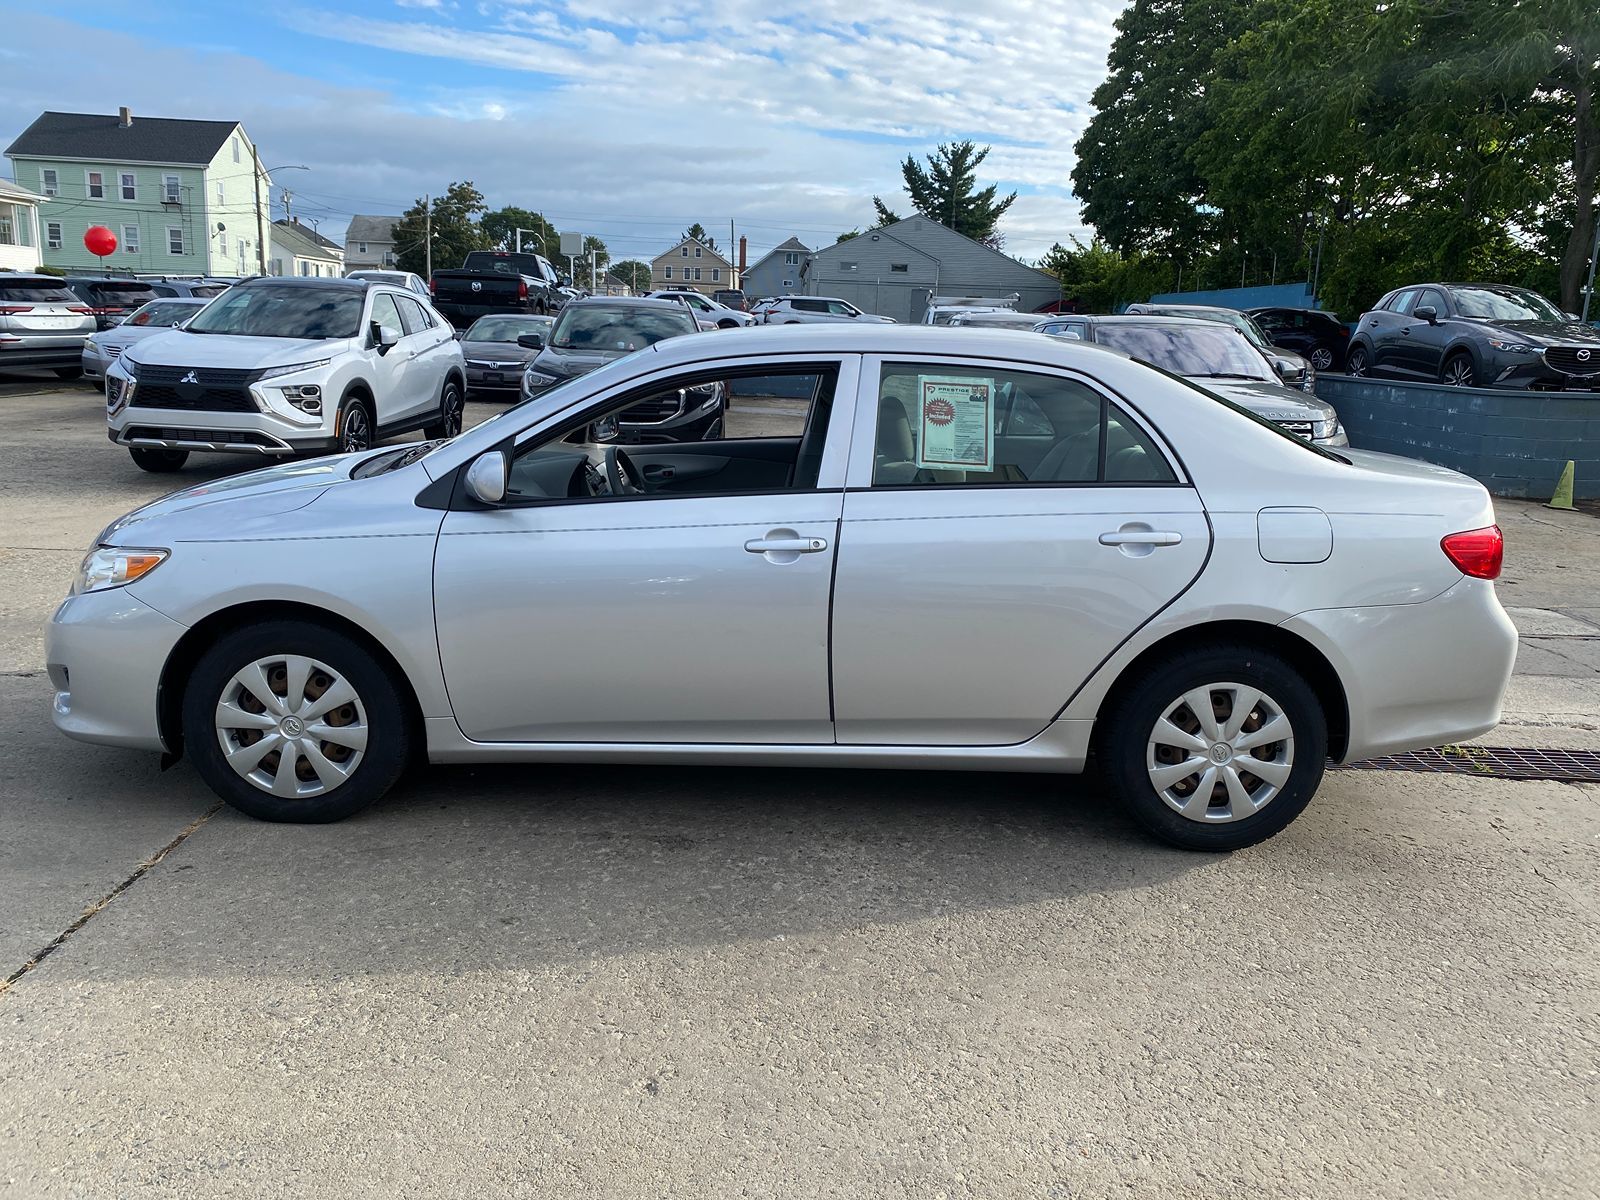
95 138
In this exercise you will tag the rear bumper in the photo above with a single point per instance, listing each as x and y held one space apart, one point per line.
1417 675
14 355
105 652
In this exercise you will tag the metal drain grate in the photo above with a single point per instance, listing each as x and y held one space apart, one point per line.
1496 762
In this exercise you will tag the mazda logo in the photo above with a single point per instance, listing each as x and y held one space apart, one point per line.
191 377
1583 355
476 286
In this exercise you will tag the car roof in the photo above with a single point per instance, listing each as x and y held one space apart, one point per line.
306 281
839 337
644 302
1140 319
30 277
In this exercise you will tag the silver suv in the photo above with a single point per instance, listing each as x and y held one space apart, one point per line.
280 366
42 324
807 310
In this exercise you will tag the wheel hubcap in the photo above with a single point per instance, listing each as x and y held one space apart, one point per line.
452 414
355 430
291 726
1322 359
1220 753
1456 375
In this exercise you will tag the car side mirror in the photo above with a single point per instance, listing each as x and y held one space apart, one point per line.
1286 368
384 337
486 477
1426 313
460 333
605 429
530 341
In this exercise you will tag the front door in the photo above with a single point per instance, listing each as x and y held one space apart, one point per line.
1424 341
1004 531
397 386
609 600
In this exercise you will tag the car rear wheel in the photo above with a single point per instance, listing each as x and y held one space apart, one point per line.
1216 748
291 721
355 428
69 372
1322 358
1457 371
450 409
158 462
1357 362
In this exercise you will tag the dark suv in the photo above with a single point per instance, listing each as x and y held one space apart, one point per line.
112 300
1317 336
1476 335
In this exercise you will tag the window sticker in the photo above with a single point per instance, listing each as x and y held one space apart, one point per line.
956 420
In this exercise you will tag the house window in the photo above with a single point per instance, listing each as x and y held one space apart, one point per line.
219 194
170 189
847 266
52 235
50 182
716 274
175 240
130 185
697 251
791 258
669 272
361 247
235 149
222 244
697 274
130 239
95 185
305 268
277 266
685 252
8 226
899 268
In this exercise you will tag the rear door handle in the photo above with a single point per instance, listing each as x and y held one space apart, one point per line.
1140 537
786 545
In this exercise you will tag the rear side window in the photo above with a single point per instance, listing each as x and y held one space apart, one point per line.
941 426
411 313
1403 301
35 293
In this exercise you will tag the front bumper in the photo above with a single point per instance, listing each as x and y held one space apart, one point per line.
105 652
1530 373
95 364
261 432
506 381
1417 675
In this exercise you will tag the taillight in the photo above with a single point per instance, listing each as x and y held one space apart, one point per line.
433 288
11 310
80 308
1476 552
522 289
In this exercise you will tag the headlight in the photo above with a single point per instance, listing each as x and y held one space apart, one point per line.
1513 347
1309 379
537 379
1325 429
113 566
307 397
119 393
274 372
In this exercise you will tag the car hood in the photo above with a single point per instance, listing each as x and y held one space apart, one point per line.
575 362
126 335
1271 400
233 505
177 348
1546 333
506 352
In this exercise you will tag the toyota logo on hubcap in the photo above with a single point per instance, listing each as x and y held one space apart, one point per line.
293 727
1221 754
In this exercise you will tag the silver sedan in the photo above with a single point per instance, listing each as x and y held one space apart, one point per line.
985 551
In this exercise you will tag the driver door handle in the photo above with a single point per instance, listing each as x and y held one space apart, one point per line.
786 545
1140 537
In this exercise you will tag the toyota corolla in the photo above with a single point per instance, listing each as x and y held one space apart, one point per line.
993 552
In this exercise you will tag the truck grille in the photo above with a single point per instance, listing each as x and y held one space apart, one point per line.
1568 360
195 389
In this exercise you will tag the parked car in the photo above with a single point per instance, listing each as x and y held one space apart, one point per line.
401 279
1214 356
199 289
733 298
1317 336
1478 335
591 333
942 310
994 552
112 300
288 365
493 281
43 323
708 313
809 310
993 318
103 348
759 308
498 349
1291 367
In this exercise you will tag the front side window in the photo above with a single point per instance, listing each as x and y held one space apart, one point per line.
839 308
130 239
957 425
1432 298
174 240
129 185
95 185
284 311
385 313
50 182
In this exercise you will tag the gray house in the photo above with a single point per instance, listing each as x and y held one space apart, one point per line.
777 273
893 270
369 242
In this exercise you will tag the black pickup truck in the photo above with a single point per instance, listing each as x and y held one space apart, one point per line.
492 281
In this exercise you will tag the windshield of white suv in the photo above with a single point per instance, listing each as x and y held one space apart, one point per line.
623 327
162 313
1195 350
1504 304
277 311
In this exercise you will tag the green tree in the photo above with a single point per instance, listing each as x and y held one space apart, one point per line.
501 228
456 232
698 232
946 191
634 273
845 237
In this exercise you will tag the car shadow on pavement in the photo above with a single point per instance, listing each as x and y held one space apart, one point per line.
494 868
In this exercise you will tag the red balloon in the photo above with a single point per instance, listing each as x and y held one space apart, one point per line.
99 240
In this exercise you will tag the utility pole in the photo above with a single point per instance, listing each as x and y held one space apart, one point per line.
261 225
427 232
1588 291
733 261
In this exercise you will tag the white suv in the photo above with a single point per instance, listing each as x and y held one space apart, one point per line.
281 366
806 310
708 314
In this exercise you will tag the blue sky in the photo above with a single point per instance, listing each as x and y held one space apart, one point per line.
627 119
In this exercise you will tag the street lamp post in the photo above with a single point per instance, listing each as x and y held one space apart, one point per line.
261 224
1588 292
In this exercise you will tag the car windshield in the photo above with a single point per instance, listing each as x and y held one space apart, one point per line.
603 327
284 312
162 313
504 328
1195 349
1504 304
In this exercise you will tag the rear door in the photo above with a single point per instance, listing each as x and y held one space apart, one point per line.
1421 342
432 349
1383 326
1004 530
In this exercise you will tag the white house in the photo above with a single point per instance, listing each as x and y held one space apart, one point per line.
19 227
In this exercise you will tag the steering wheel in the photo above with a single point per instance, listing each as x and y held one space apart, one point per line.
623 474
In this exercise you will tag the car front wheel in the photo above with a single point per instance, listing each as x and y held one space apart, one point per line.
355 429
1457 371
1216 748
291 721
158 462
1357 363
1322 358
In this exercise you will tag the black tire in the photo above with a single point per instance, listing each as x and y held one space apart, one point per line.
390 736
1323 357
1458 371
355 426
158 462
451 407
1358 361
68 372
1127 756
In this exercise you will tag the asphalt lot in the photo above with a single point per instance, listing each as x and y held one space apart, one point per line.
684 982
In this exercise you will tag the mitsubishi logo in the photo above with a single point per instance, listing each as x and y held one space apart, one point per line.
1583 355
191 377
